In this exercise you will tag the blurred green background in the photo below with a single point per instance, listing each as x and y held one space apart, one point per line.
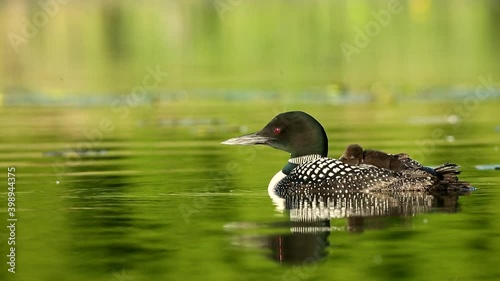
94 204
80 47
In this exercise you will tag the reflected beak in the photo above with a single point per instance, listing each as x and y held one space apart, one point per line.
249 139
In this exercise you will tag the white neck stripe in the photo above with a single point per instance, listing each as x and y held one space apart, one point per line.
304 159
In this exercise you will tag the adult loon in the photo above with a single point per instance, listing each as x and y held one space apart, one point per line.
310 172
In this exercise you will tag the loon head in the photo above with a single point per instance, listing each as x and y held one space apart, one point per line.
295 132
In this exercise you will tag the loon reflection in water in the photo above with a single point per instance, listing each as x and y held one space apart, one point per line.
310 229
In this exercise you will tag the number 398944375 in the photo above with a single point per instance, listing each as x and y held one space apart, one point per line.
11 195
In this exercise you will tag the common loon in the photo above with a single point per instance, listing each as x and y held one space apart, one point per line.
310 172
355 155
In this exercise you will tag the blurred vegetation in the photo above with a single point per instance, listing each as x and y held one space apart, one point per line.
105 46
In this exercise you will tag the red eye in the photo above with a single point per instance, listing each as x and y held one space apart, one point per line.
277 131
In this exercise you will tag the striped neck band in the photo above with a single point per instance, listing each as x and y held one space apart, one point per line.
304 159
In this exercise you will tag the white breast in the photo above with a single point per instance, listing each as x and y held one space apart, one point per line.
278 201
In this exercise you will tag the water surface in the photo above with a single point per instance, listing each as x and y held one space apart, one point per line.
152 195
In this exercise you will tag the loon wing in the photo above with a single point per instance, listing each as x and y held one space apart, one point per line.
327 176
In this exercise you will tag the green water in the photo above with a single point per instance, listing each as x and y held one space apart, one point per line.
152 195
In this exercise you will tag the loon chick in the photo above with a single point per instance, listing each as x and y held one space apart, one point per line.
355 155
309 170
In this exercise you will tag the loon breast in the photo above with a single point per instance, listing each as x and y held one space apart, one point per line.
278 200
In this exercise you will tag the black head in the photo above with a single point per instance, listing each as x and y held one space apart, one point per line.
296 132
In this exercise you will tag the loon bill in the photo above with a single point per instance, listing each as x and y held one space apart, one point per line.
310 171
